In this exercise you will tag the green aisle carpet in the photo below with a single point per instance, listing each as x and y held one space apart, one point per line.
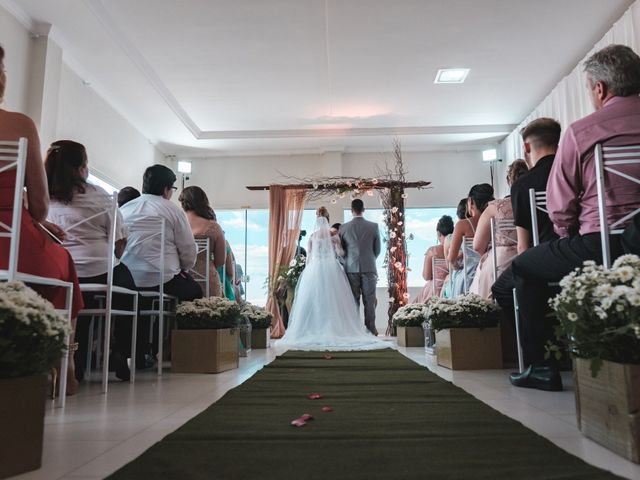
391 419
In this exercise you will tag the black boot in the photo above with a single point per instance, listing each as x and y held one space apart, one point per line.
120 366
541 377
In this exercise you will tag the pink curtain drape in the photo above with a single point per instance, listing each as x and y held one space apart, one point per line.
286 206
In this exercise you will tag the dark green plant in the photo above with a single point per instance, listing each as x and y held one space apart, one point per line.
598 313
211 313
465 311
32 334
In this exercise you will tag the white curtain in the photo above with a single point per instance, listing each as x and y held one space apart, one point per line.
569 100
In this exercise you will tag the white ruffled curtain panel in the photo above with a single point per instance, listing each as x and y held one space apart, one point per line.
569 100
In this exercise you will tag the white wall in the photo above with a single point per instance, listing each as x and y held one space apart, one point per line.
17 44
43 86
117 151
225 178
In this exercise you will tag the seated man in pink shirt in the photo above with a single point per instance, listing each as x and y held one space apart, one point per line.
613 78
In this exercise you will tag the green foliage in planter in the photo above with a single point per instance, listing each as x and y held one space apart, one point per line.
259 317
410 315
465 311
211 313
598 312
32 334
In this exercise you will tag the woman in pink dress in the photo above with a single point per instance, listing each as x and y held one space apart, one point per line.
435 279
39 255
506 242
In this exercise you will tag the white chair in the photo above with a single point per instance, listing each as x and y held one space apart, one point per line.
501 228
467 244
105 309
537 202
203 246
607 159
438 265
149 229
13 155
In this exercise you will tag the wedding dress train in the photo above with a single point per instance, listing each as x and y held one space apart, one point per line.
324 315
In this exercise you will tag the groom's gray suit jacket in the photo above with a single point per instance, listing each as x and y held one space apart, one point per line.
361 242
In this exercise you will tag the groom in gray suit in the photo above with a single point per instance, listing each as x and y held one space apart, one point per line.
361 242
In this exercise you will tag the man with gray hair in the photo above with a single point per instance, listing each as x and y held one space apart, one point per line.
613 79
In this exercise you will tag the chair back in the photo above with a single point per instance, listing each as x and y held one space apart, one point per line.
609 160
501 228
439 271
537 201
102 206
203 247
467 244
147 230
13 155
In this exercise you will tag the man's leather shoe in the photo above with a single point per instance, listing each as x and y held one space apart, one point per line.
540 377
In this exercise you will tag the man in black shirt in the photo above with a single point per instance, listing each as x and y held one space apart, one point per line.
541 138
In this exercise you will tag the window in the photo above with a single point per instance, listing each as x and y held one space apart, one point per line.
101 183
421 222
255 264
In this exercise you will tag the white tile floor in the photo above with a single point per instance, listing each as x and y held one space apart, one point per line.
96 434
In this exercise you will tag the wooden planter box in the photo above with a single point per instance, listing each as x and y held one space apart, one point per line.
469 348
608 406
22 402
260 338
204 351
410 336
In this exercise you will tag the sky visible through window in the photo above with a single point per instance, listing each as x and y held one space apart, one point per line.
420 221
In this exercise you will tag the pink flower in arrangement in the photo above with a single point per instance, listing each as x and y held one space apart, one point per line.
405 295
314 396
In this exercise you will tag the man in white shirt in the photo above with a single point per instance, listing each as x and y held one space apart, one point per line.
143 257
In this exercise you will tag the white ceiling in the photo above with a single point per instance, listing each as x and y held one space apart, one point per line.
213 77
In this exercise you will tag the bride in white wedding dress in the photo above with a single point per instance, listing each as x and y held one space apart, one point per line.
324 315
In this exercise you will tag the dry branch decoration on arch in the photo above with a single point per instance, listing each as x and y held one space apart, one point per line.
390 183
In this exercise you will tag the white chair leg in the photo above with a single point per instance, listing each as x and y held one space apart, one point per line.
134 339
99 342
64 365
516 311
105 356
160 342
87 367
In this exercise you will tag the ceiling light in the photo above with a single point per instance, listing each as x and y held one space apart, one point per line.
184 166
490 155
451 75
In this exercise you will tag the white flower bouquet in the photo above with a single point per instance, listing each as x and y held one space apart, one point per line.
207 314
598 311
259 317
32 333
410 315
289 274
465 311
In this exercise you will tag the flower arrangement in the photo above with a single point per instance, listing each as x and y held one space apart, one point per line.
465 311
410 315
289 275
259 317
32 333
598 311
207 314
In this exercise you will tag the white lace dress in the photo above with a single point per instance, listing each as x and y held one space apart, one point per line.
324 315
